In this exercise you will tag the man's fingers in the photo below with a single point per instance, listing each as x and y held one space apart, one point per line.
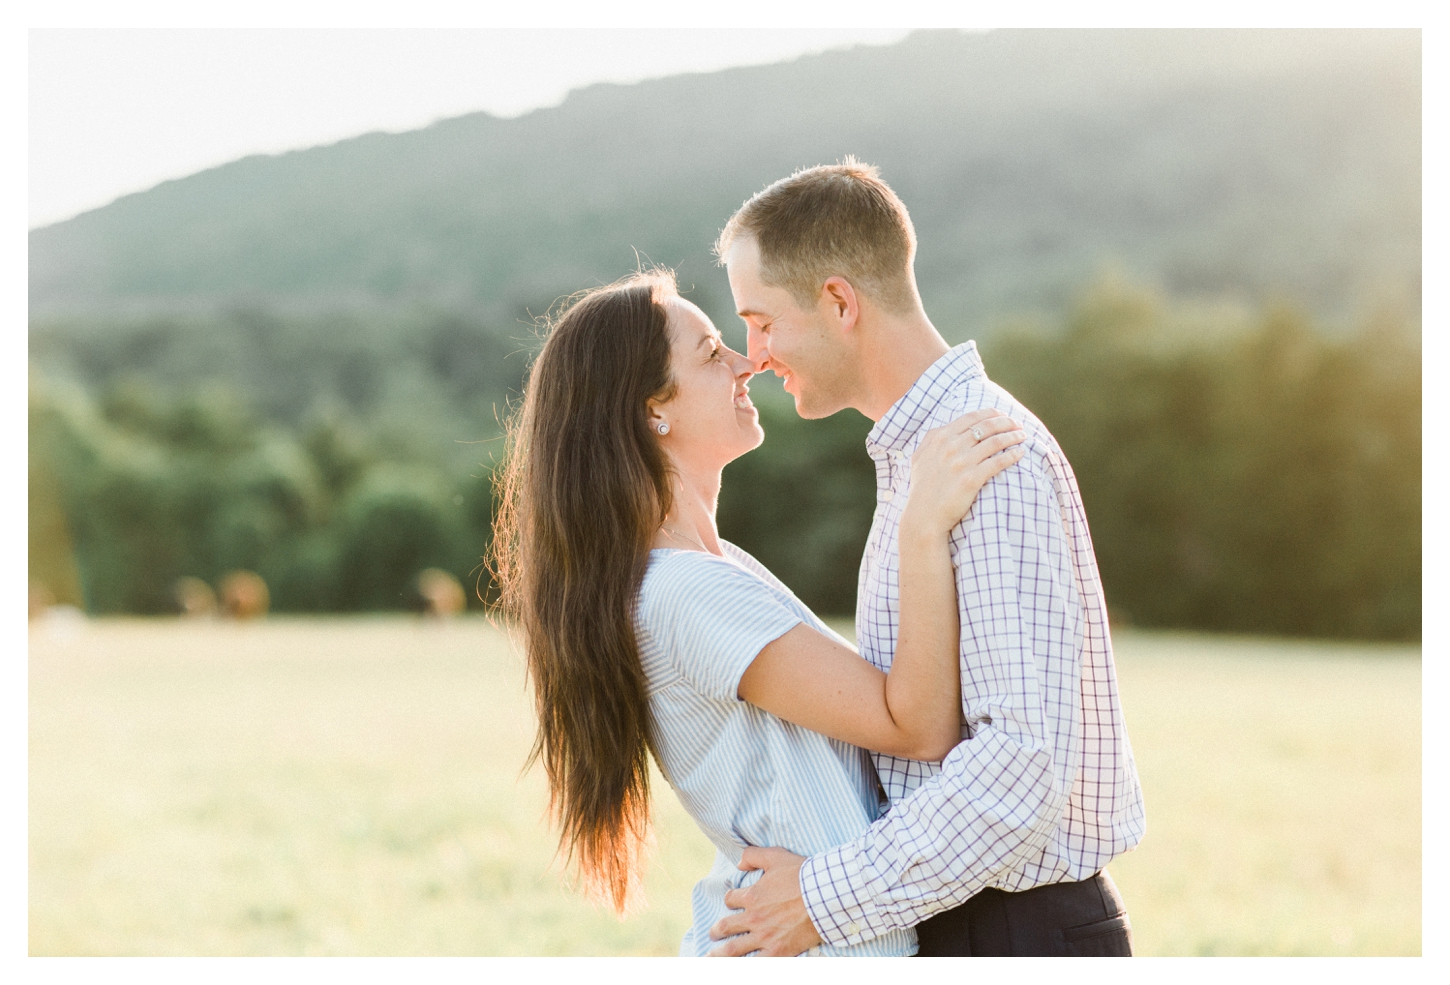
735 947
753 858
777 951
728 926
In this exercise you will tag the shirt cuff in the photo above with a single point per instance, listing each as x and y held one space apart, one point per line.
836 899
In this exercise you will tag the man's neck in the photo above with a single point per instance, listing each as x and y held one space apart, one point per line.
895 351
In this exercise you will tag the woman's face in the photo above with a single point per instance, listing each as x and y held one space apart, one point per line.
712 421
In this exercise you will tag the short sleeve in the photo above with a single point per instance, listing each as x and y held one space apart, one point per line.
711 618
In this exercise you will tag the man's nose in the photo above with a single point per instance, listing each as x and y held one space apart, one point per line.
755 349
744 366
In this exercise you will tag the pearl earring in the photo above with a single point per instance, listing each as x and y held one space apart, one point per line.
662 428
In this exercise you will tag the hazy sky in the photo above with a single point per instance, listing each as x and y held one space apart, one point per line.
117 111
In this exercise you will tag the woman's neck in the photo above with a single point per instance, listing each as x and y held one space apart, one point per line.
690 524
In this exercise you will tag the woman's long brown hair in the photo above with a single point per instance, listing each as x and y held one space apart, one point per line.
584 489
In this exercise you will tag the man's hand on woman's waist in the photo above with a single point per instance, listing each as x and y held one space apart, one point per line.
771 916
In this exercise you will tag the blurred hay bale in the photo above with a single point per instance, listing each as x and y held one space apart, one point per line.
244 595
41 599
442 594
196 598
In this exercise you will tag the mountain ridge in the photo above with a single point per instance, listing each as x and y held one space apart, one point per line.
1211 162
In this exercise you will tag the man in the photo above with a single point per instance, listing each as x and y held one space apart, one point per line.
999 849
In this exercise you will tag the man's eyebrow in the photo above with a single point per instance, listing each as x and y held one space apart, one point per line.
747 312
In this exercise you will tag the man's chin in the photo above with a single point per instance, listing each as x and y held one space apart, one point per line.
808 411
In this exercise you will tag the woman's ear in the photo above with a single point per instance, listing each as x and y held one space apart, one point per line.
656 419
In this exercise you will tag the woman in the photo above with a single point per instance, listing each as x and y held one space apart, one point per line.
645 633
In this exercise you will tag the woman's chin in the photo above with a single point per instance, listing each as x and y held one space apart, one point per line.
751 439
757 434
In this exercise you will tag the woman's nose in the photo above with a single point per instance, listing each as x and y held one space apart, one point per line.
743 367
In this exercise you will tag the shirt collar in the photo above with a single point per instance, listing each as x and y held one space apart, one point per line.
905 418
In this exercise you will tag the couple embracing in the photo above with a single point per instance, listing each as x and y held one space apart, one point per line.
957 786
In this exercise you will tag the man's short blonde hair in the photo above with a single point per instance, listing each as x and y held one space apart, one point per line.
835 220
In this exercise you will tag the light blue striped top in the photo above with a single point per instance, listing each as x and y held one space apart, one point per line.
745 776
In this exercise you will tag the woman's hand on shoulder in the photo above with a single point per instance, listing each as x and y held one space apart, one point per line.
954 462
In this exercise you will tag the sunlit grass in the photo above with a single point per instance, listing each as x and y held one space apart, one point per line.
1283 794
353 787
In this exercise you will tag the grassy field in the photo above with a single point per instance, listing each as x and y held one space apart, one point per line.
353 787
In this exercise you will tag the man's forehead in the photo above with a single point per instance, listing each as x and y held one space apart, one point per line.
762 301
743 257
746 284
743 246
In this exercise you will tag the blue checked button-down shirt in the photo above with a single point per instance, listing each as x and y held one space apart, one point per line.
1042 788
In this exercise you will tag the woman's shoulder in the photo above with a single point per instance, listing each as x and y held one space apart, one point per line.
730 560
677 578
675 562
707 617
682 576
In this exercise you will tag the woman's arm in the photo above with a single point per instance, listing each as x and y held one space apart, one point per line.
915 710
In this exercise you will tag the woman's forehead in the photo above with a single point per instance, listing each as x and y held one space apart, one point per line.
687 322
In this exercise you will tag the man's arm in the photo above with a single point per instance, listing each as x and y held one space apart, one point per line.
1000 794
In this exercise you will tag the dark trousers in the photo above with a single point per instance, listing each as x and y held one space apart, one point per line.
1065 919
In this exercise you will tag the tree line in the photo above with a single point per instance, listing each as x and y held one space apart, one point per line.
1248 473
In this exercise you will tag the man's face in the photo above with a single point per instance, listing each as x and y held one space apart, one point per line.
799 345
